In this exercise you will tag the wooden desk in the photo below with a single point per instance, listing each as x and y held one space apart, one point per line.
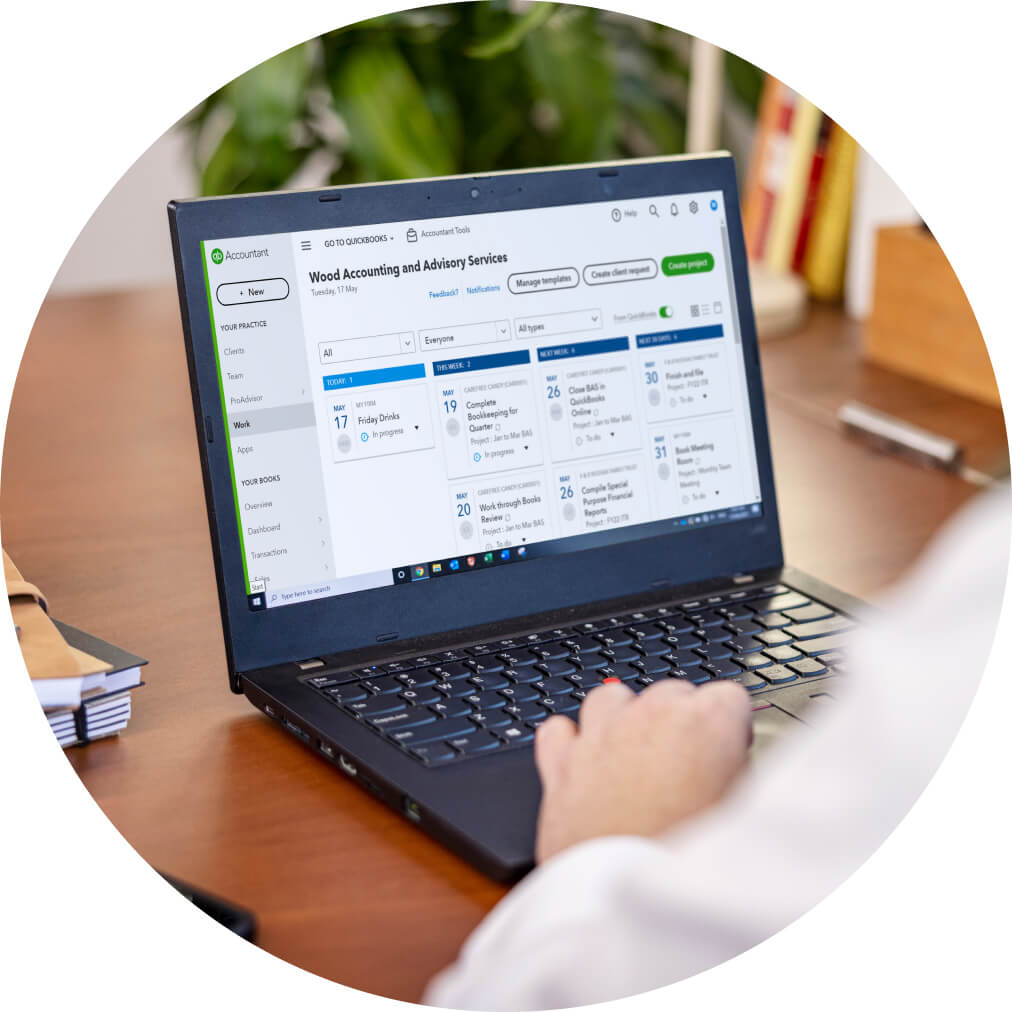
102 506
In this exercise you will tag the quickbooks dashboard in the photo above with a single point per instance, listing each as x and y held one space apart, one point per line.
583 384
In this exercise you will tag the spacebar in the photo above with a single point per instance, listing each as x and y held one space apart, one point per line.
436 731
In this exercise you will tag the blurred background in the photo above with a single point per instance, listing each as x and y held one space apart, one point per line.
474 87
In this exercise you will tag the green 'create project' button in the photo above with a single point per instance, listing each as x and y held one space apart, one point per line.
690 263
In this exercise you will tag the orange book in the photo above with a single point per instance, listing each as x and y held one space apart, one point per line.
757 200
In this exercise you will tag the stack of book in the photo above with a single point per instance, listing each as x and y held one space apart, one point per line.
796 204
82 682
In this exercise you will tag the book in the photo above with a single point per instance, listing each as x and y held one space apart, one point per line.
772 160
825 257
778 253
811 197
98 717
117 670
754 197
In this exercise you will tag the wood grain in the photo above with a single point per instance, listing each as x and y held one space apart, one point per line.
102 506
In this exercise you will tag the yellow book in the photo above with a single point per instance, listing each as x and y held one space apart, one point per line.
790 201
826 255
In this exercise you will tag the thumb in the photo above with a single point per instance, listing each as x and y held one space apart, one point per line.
552 742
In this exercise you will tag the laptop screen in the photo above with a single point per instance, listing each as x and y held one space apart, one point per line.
415 402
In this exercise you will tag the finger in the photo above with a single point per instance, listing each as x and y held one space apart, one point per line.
664 692
731 706
552 741
602 705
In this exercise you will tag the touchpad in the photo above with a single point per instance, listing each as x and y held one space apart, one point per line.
768 725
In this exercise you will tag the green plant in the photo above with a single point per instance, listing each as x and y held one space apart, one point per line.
468 87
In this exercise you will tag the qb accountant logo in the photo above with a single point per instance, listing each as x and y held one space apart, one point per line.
217 256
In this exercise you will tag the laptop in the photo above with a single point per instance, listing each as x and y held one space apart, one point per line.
471 446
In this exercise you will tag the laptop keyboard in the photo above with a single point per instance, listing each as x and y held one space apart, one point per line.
458 704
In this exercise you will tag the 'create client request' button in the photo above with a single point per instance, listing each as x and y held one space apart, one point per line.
236 293
623 270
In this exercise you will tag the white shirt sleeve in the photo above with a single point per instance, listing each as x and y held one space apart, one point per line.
621 915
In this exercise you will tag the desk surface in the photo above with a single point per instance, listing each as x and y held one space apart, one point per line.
102 506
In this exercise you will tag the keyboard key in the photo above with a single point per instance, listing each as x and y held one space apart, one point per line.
527 712
774 637
454 669
736 611
659 666
824 645
479 649
417 680
778 674
745 645
614 638
714 651
486 665
773 620
489 681
722 669
478 741
808 667
644 632
554 686
697 676
375 705
658 647
421 697
810 630
753 661
832 659
778 602
561 704
707 617
451 708
787 652
411 716
437 730
551 651
684 658
434 754
492 718
621 655
384 685
458 687
520 659
623 672
557 667
523 676
677 625
583 644
587 679
520 693
485 700
749 680
516 734
347 693
809 613
322 681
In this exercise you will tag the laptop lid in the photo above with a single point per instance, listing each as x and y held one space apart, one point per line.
429 405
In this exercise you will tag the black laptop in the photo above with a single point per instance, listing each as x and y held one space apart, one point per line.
472 445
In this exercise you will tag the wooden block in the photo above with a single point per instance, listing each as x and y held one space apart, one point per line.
921 323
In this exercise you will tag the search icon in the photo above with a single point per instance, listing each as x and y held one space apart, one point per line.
653 210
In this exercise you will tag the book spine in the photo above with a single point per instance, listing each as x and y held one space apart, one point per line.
811 197
783 229
826 255
756 203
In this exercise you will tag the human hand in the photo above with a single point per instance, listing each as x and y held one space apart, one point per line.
638 764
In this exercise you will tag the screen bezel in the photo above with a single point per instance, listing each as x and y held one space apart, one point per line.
393 614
